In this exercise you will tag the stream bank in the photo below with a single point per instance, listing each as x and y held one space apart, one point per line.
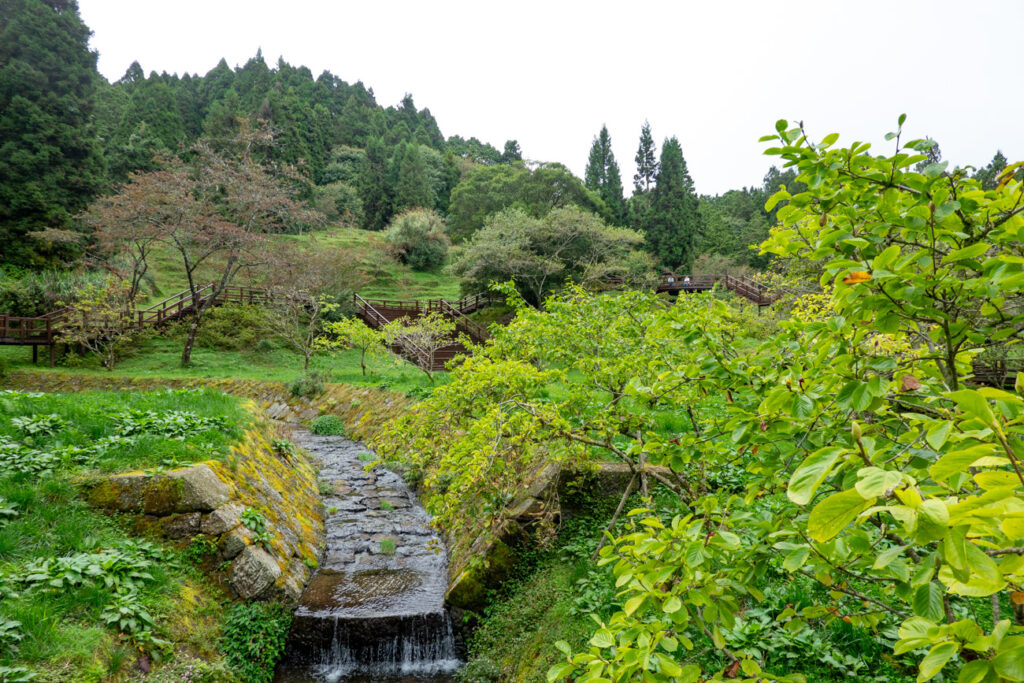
374 610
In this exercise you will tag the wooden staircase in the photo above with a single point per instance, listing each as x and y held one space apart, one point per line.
379 312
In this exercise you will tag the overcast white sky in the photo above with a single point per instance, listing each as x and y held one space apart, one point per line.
716 74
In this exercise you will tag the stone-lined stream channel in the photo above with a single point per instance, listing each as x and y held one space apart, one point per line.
374 610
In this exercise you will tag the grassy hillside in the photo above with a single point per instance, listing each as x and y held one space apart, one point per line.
384 277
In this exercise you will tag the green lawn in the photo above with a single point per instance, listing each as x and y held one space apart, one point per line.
161 357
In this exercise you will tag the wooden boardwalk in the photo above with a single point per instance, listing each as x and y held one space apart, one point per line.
746 287
45 330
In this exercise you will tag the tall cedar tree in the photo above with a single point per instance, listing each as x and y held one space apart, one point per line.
49 160
373 187
412 184
602 174
646 165
673 225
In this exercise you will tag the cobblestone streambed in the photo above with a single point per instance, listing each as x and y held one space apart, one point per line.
373 611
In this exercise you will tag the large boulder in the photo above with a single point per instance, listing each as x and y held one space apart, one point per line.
223 519
253 573
201 489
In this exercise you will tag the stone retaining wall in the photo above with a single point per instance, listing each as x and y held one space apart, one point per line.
209 498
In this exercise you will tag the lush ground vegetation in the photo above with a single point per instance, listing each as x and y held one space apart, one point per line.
82 598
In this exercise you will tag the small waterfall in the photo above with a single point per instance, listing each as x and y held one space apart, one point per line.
374 610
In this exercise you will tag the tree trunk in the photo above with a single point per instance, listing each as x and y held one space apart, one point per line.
306 365
190 341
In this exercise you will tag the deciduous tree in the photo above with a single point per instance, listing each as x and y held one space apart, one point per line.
542 254
352 333
100 318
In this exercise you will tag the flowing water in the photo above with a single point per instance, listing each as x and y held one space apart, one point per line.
374 610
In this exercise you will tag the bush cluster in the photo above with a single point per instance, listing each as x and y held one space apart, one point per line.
328 425
34 294
232 327
253 639
418 239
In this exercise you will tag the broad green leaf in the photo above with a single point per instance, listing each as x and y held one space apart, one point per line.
938 433
886 557
602 638
973 251
928 601
974 404
934 511
959 461
954 547
1010 664
875 481
796 559
936 658
831 515
560 672
809 475
975 672
672 605
978 586
632 604
1013 527
668 666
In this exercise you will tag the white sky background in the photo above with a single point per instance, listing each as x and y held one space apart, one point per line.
716 74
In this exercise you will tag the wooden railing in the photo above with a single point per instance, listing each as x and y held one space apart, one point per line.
475 332
742 285
38 330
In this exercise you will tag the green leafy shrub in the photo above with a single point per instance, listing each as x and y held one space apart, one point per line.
339 201
34 294
39 425
254 520
10 635
234 327
200 547
172 423
418 239
308 385
17 674
328 425
253 639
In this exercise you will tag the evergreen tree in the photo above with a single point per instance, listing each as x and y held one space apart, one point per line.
373 187
989 175
512 152
602 174
412 184
672 225
49 160
646 165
